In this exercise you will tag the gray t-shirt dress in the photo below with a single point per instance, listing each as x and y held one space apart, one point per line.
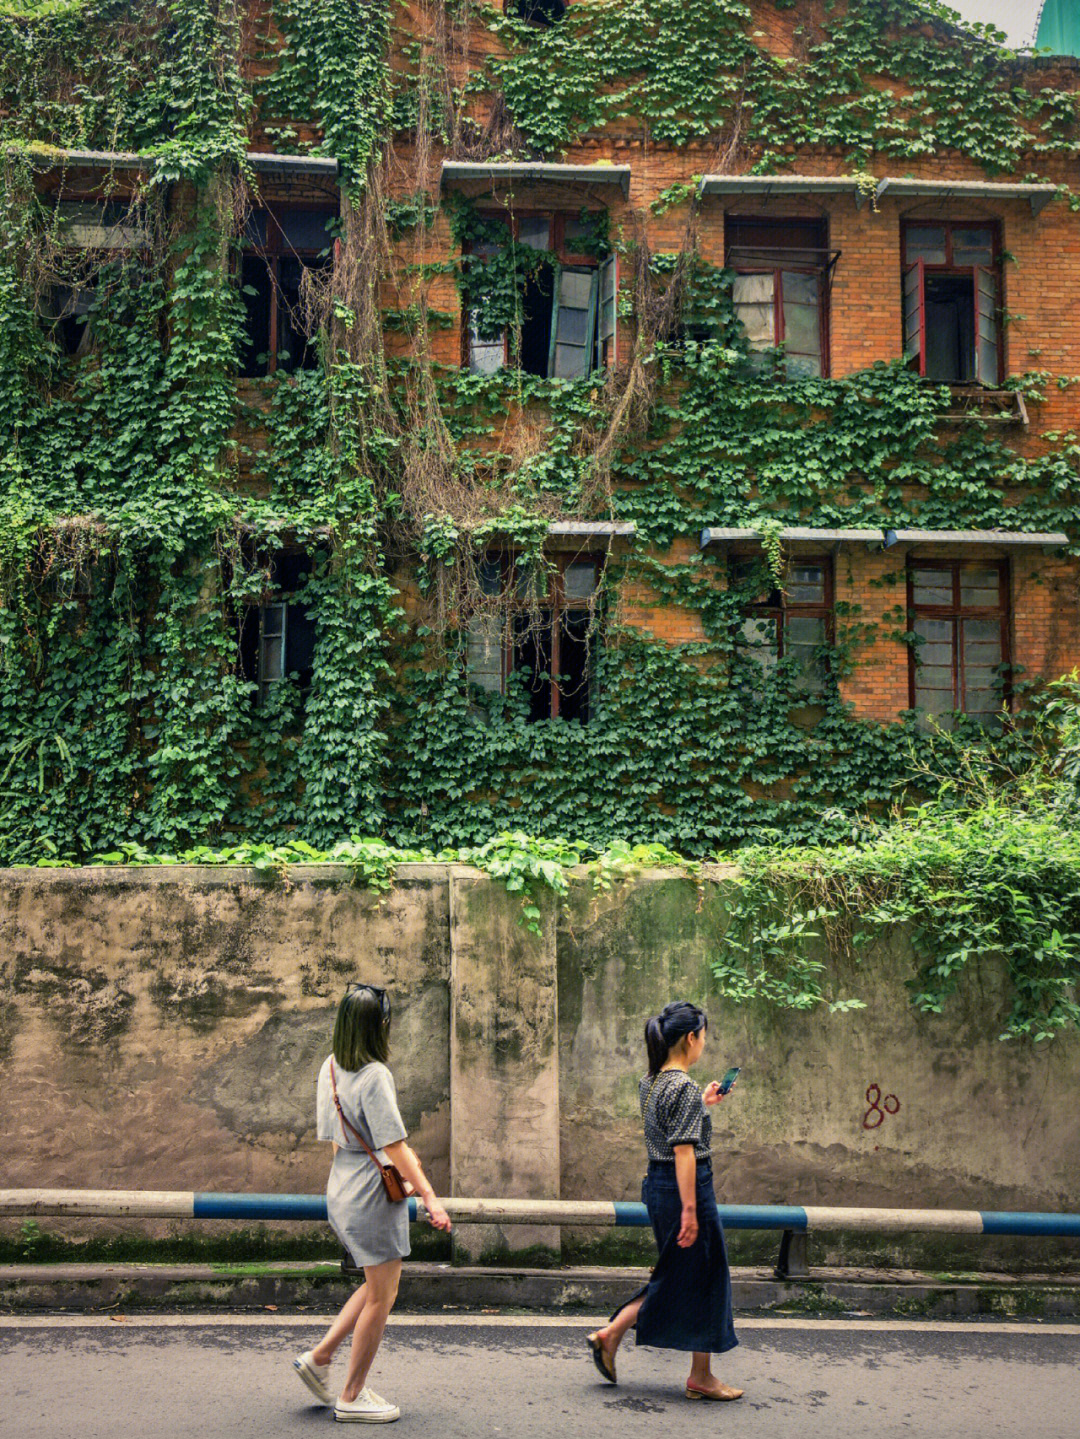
370 1227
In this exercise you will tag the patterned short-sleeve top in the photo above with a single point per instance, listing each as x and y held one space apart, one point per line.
673 1112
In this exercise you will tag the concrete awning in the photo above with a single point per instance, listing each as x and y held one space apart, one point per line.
715 536
764 187
1017 539
261 161
1051 540
1039 196
456 172
589 529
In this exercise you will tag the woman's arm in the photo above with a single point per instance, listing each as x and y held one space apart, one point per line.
405 1159
686 1177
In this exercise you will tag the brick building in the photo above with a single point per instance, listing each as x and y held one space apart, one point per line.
939 256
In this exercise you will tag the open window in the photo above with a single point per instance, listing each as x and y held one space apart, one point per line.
960 620
780 287
568 303
790 621
279 246
541 626
536 12
277 630
952 301
89 234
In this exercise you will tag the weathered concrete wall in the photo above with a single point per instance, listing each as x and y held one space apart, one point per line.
959 1118
163 1029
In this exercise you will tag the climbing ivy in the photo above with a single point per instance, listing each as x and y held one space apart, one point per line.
870 76
141 497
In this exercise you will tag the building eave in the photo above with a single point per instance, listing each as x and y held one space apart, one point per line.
510 172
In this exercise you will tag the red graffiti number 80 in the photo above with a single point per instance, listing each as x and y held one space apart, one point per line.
875 1115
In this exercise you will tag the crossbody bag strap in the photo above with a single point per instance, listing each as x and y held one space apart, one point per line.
349 1129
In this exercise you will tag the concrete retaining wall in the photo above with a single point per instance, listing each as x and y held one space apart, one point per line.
163 1028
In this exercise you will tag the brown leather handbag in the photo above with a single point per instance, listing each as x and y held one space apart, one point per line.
396 1185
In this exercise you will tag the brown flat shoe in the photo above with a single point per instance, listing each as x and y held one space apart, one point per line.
604 1361
724 1394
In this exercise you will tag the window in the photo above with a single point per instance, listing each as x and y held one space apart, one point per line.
91 233
959 616
780 288
793 623
568 305
541 631
277 632
536 12
952 305
279 246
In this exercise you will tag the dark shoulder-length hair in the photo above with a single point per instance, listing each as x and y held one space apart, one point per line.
362 1027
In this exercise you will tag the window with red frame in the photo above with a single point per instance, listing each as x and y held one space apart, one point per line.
952 300
793 621
780 287
959 615
543 629
279 246
568 308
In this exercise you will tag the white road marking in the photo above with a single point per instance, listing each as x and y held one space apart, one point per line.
472 1320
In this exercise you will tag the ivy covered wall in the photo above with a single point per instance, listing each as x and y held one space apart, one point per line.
146 492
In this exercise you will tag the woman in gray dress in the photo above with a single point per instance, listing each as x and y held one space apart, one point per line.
357 1106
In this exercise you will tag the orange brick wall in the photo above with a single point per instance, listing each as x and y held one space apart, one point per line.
1040 285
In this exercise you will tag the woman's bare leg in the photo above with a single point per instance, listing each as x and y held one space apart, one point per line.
702 1377
382 1287
342 1326
611 1336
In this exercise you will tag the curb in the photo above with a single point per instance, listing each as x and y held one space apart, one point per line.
35 1288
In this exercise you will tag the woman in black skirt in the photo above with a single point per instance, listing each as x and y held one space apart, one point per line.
687 1301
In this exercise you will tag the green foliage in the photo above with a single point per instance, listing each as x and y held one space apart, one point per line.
139 504
876 76
332 68
986 872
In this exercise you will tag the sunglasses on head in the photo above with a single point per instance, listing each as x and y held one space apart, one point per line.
380 994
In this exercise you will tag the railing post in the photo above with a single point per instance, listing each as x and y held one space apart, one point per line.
793 1259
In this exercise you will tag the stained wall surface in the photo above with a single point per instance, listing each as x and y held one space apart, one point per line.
163 1029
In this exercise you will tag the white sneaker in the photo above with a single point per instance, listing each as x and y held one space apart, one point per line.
367 1408
315 1376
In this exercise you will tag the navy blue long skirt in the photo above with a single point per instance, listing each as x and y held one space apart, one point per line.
688 1297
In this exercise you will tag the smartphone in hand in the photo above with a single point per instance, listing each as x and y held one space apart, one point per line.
729 1079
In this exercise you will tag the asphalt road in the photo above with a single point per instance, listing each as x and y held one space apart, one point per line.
529 1378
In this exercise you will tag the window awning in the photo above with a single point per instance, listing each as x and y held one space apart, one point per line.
1052 540
455 172
592 529
766 187
261 161
1039 196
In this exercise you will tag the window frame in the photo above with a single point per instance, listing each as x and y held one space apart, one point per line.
272 252
253 609
801 609
557 245
957 612
108 254
924 268
553 603
823 271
